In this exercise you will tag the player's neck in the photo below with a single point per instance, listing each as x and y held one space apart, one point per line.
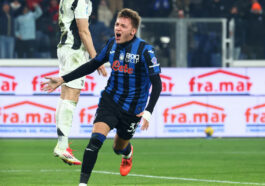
125 44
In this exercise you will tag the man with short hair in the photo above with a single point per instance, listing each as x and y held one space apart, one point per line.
25 31
123 102
72 50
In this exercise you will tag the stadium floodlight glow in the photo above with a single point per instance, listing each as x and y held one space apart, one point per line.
165 39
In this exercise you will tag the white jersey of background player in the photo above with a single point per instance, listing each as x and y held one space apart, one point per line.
75 42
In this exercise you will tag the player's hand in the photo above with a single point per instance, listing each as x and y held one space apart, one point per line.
102 71
52 84
145 124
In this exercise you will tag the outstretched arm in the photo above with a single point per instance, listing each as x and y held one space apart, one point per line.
52 84
85 69
156 90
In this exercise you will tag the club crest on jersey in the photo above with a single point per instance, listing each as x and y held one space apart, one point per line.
132 58
121 57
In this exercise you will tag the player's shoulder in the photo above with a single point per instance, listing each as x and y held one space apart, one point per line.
73 4
138 39
68 5
144 43
110 41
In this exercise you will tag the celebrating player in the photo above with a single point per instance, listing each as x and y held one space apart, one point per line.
123 101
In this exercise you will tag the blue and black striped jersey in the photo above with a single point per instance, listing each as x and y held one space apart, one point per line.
132 63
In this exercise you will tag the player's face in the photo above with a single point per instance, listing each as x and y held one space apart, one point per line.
123 30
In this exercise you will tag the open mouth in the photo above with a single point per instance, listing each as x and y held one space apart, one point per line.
118 35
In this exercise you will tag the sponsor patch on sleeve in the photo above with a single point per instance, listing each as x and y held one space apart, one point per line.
154 60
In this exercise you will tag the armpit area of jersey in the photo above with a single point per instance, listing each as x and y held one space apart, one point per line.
83 70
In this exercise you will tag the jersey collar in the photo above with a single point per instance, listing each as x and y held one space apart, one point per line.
124 45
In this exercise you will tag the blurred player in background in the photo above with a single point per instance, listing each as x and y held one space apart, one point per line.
72 50
123 102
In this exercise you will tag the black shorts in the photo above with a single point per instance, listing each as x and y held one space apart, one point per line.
111 113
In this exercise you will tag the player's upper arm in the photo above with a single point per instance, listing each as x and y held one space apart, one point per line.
152 65
82 25
82 10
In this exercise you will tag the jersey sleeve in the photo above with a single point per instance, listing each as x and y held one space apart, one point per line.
83 9
149 57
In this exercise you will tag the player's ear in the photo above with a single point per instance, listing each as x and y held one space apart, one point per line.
133 32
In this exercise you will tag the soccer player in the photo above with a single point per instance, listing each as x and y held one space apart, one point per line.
75 42
123 101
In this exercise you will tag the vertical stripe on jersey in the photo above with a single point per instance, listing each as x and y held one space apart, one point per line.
63 38
77 39
127 77
74 29
148 62
115 76
74 5
120 80
107 57
138 81
113 81
130 78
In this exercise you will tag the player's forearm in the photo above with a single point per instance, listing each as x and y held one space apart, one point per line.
156 90
83 70
88 43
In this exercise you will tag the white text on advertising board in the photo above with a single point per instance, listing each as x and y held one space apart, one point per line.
27 112
220 82
167 84
8 84
255 118
193 117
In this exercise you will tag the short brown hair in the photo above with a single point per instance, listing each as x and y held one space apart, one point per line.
131 14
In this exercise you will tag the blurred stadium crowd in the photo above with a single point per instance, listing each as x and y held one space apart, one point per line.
29 28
